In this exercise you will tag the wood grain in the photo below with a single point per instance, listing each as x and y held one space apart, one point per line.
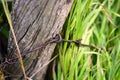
34 22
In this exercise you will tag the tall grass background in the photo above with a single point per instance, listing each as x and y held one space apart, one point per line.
96 22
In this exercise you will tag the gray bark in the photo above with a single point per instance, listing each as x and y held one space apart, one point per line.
34 22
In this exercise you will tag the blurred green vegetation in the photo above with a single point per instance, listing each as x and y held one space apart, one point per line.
4 26
96 22
4 34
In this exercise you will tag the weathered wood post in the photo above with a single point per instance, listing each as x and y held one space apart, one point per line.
35 21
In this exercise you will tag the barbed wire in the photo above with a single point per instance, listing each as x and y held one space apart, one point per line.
56 39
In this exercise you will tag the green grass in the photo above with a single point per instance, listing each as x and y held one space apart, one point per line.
96 22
